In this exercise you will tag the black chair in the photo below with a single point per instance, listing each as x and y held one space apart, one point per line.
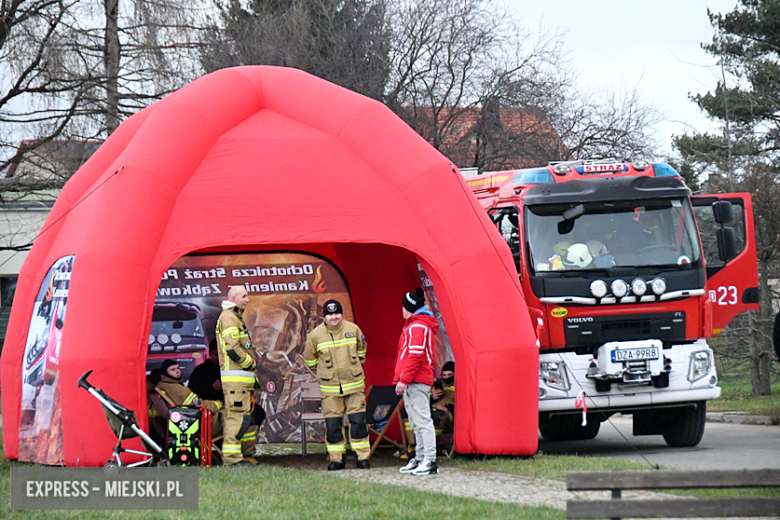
382 408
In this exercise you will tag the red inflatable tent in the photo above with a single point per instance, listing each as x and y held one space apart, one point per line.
258 159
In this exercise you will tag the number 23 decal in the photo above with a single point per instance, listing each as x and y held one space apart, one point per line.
724 295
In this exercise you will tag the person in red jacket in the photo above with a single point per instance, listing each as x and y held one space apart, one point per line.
413 378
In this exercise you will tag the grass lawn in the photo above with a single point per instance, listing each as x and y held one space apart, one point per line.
277 492
737 396
288 488
554 467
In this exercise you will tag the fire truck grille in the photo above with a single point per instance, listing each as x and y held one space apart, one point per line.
593 331
619 330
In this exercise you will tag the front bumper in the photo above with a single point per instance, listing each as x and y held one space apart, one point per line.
626 396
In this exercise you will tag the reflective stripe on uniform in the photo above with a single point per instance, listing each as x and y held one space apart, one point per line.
246 362
344 387
408 426
330 389
233 331
311 362
338 343
249 436
362 445
336 447
352 386
237 376
190 398
362 353
222 346
231 448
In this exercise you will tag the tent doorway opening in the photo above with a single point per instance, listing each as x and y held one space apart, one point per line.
287 288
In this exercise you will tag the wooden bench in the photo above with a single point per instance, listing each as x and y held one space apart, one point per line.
617 481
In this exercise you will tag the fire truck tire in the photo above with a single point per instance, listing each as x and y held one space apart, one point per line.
559 427
687 427
587 432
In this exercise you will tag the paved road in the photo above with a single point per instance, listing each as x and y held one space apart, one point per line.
724 446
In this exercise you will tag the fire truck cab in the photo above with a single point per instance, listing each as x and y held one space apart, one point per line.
626 275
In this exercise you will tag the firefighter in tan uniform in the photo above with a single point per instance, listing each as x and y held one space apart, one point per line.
171 388
336 350
237 370
443 402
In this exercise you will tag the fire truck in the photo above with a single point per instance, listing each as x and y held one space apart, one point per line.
626 275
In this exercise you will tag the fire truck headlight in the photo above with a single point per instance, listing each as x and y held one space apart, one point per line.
598 288
176 338
619 288
658 285
554 374
639 287
162 339
701 362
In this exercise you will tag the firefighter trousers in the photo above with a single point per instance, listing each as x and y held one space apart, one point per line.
354 406
408 430
240 434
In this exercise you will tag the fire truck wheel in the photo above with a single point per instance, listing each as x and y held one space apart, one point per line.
587 432
687 426
559 427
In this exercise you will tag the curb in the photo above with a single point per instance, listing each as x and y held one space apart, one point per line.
739 418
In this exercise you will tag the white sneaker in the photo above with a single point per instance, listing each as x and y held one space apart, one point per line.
410 467
426 467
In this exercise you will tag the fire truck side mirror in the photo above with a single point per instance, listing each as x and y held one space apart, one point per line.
727 243
722 211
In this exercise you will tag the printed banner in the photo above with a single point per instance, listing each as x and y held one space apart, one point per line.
286 294
40 427
443 349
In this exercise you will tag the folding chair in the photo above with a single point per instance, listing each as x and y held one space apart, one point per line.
309 392
382 408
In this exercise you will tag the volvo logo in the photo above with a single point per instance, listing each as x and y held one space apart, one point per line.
588 319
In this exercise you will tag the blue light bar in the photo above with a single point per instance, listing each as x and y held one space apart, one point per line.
664 170
535 176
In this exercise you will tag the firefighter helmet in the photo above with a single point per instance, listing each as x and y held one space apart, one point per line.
577 256
597 248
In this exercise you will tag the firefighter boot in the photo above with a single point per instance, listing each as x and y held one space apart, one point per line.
335 466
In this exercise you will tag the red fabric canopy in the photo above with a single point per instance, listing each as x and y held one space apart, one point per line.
265 158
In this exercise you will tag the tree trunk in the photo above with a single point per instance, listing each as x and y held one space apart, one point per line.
759 341
111 63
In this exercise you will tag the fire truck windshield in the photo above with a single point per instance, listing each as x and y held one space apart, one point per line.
181 320
601 235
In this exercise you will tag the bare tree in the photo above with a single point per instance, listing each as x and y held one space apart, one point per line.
73 69
491 95
44 77
604 124
456 65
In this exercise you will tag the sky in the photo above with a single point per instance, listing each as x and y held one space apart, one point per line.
652 45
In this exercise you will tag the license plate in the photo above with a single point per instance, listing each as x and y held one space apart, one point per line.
631 354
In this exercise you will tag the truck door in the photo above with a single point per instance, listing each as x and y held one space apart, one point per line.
732 283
